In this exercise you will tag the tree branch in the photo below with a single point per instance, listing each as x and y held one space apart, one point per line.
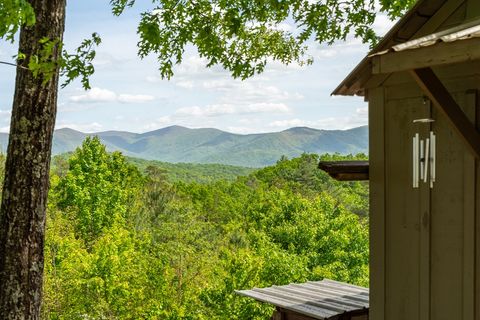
13 65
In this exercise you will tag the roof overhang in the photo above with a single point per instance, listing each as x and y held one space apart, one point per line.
454 45
414 23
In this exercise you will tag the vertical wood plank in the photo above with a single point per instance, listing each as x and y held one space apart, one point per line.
477 219
403 214
447 221
469 220
424 222
473 9
377 203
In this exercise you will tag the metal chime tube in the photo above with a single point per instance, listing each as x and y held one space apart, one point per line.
434 152
415 152
414 181
427 159
422 158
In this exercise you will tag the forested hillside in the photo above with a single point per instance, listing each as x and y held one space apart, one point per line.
124 243
174 172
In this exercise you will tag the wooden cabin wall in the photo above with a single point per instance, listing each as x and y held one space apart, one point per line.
425 243
473 9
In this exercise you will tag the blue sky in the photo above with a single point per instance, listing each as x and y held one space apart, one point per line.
128 93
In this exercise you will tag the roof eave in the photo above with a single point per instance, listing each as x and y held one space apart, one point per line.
347 86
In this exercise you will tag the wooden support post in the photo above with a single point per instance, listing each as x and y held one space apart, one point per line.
441 98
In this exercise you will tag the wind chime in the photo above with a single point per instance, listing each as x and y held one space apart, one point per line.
424 154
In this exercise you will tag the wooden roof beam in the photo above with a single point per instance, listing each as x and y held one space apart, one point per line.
434 55
441 98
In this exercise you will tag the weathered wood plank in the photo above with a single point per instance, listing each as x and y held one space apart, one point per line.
438 18
473 9
434 89
469 219
439 54
477 217
403 208
447 223
424 221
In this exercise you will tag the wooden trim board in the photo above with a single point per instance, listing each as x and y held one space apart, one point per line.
434 55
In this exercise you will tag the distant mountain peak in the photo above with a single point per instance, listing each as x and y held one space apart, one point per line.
166 130
209 145
69 130
301 129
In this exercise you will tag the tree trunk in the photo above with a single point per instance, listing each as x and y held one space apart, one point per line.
25 188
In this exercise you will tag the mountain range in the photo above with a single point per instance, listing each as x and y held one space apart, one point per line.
180 144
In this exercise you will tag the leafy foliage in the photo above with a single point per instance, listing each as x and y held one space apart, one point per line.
242 35
124 246
80 64
13 14
99 188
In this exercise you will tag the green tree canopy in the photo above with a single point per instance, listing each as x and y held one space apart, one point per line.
98 189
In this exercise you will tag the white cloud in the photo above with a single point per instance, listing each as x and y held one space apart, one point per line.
265 107
326 53
256 92
134 98
104 60
289 123
229 109
96 95
192 72
157 123
284 26
243 130
248 121
5 113
185 84
5 129
363 112
382 24
208 111
359 118
153 79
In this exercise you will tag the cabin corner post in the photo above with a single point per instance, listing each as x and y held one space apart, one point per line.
477 216
377 203
441 98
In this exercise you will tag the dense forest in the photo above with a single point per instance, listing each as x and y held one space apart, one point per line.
129 239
